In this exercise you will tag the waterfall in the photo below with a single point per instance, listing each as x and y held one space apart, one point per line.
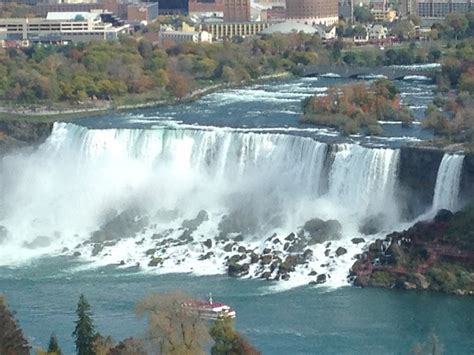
272 182
446 194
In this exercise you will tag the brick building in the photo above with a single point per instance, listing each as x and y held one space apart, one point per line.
206 6
313 11
237 10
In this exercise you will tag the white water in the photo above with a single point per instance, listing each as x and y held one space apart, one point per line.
446 195
272 182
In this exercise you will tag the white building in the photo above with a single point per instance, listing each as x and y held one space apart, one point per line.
185 36
61 27
377 33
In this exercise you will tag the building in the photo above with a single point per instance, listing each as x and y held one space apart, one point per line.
377 33
62 27
226 30
313 11
199 7
273 14
438 9
185 36
171 7
237 10
146 12
291 26
382 15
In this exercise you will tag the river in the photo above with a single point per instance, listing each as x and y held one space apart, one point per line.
242 158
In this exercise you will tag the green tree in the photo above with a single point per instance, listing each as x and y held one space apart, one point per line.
457 25
362 14
53 346
227 341
84 332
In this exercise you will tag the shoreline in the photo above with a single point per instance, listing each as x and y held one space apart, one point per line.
41 114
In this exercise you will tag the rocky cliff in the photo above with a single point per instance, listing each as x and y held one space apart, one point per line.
436 255
17 134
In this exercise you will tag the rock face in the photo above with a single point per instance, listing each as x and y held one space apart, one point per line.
15 134
321 231
436 255
124 225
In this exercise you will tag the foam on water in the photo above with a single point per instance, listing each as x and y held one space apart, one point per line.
268 182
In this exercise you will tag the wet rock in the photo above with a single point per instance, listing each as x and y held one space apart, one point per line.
76 254
341 251
308 253
320 279
443 216
291 237
372 225
155 262
228 247
65 250
288 265
140 242
38 242
327 251
321 231
241 249
206 256
269 239
267 251
239 238
357 240
192 224
150 252
312 283
253 258
285 277
238 270
266 275
276 241
286 246
266 259
97 249
208 243
125 225
312 273
122 263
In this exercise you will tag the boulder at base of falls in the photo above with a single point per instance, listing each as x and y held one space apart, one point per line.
435 255
372 225
193 224
235 269
124 225
38 242
341 251
320 231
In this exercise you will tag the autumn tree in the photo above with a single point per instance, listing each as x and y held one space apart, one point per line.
12 340
84 332
172 328
227 341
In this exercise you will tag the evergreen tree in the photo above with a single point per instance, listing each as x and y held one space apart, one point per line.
53 347
12 340
84 333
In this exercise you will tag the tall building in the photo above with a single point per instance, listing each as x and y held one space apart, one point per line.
206 6
313 11
439 9
236 10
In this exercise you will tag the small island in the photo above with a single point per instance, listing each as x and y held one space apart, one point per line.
353 107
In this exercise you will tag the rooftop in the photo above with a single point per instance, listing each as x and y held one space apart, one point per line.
72 16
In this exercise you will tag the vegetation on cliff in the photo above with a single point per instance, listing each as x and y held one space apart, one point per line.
355 106
451 115
436 255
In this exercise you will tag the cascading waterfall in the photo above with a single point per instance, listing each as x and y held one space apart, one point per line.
446 194
57 196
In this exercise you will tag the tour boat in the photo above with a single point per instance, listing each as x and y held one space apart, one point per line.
210 310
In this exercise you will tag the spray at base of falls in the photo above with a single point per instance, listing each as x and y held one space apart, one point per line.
132 195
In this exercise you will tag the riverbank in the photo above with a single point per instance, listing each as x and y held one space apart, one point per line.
44 113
